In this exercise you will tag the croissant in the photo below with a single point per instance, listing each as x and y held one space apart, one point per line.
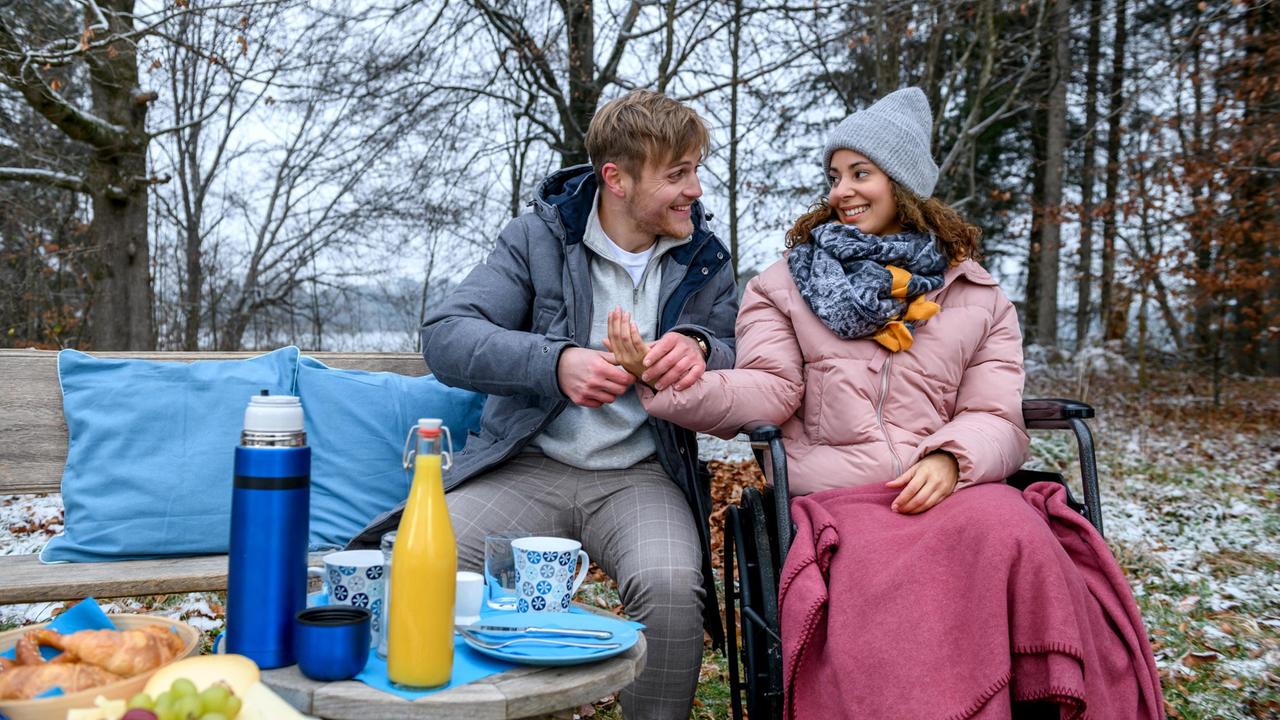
121 652
23 682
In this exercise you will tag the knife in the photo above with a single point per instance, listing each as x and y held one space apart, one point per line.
531 630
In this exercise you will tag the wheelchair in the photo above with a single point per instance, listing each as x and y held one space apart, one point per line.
758 533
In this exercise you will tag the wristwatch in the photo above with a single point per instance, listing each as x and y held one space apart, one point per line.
702 345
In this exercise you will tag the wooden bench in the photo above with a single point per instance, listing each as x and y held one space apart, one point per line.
33 450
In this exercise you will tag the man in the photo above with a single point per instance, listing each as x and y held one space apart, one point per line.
565 448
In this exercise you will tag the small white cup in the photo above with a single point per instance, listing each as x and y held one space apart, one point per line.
468 597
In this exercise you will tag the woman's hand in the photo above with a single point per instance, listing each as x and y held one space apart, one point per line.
625 343
927 483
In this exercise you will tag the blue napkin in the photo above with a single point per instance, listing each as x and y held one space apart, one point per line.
468 666
84 615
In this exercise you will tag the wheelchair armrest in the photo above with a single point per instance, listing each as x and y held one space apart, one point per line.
762 433
1053 413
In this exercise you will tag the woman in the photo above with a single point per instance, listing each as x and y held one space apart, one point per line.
893 363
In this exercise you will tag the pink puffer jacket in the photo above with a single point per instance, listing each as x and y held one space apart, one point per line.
854 413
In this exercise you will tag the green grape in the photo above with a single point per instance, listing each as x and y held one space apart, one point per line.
141 700
164 711
188 707
214 697
214 716
232 707
182 687
164 706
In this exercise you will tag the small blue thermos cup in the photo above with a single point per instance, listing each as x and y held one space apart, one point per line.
270 503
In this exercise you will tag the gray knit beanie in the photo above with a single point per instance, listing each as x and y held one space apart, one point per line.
893 134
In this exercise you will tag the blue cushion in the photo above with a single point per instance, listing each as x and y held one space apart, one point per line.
150 453
356 426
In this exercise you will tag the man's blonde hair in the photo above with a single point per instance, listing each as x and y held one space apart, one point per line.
644 127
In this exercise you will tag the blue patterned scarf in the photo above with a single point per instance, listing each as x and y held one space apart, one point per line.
841 274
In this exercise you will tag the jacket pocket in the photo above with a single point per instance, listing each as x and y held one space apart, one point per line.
544 313
813 382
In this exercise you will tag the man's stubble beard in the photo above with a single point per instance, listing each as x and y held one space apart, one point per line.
659 228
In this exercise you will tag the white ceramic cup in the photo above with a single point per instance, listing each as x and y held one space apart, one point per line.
545 578
468 597
356 578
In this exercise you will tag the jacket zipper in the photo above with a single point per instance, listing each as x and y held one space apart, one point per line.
884 396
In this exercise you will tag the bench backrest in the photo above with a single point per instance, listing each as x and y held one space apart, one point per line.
33 434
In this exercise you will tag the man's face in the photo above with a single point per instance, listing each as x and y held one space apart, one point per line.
660 200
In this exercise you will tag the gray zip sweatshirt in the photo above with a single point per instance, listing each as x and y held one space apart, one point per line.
613 436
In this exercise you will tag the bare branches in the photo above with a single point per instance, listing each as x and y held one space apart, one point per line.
45 177
75 122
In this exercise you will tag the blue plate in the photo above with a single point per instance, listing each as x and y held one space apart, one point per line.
625 634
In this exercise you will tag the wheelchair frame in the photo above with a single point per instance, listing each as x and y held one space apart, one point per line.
758 534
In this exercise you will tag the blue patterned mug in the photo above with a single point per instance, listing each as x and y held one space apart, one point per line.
356 578
545 572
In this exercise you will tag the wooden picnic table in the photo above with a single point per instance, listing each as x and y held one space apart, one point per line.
522 692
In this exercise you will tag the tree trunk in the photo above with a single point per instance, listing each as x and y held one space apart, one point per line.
1055 145
1253 317
584 92
121 315
1203 297
735 42
1037 90
1115 107
1084 262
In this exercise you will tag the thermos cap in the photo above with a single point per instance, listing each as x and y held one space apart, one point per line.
273 414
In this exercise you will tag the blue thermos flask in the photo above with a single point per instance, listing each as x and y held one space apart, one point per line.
270 504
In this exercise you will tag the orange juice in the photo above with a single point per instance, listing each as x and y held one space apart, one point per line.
424 564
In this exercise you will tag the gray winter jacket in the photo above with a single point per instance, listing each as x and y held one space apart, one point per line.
502 330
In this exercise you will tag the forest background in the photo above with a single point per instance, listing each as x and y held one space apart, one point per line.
247 173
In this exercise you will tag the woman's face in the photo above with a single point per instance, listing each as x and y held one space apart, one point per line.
861 194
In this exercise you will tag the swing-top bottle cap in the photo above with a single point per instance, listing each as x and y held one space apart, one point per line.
429 426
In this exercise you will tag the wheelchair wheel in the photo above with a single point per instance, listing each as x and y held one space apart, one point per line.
758 679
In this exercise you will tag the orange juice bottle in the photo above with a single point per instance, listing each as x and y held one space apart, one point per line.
424 566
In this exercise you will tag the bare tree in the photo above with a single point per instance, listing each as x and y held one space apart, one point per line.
1055 145
41 52
1084 262
1108 307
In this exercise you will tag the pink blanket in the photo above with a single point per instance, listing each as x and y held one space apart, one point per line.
991 597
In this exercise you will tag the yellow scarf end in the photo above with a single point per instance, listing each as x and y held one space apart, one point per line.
895 336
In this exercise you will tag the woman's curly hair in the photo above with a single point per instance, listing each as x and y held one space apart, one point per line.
958 237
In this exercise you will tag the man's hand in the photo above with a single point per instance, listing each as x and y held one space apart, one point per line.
927 483
590 378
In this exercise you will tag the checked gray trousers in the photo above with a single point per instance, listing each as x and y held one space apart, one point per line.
636 525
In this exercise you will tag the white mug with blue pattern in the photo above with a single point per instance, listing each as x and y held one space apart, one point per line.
357 578
545 572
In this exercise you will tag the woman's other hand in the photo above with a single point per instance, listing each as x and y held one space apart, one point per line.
926 483
625 343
